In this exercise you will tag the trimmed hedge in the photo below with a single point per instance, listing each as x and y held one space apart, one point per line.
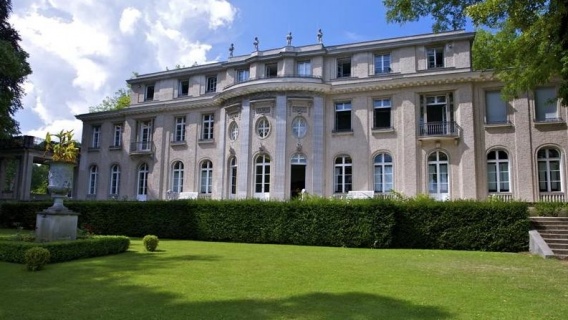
14 251
407 223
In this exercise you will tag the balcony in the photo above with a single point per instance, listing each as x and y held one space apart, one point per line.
142 148
551 197
446 130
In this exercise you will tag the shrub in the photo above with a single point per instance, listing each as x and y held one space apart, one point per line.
550 209
36 258
150 242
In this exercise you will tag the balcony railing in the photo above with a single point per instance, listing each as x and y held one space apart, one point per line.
507 197
552 197
251 79
442 129
142 147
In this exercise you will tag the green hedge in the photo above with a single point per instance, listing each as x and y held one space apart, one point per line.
414 223
14 251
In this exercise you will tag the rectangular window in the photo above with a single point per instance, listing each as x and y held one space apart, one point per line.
382 113
96 137
144 140
117 136
271 70
183 88
211 84
207 126
546 104
344 67
343 116
304 68
382 63
149 93
243 75
435 57
179 134
495 107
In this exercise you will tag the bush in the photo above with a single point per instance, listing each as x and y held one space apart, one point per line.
550 209
36 258
150 242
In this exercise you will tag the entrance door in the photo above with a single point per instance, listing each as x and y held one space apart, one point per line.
297 175
438 175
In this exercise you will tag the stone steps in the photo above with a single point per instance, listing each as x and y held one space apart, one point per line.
554 231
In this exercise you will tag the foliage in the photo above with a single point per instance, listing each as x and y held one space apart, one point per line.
65 149
10 174
150 242
60 251
551 209
39 178
525 42
120 100
14 69
36 258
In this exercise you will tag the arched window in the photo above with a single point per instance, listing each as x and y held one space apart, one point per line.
262 174
177 176
93 179
498 171
233 176
114 180
298 159
343 174
438 175
143 179
549 177
383 173
206 177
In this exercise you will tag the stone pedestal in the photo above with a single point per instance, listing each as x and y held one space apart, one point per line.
52 225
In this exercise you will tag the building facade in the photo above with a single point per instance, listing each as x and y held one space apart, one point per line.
406 114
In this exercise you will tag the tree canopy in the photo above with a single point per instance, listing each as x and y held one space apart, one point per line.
120 100
14 69
525 42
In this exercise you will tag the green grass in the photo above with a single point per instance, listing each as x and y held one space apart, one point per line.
204 280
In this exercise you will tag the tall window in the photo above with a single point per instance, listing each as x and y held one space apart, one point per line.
271 70
243 75
383 173
546 104
179 134
382 113
177 176
299 127
114 180
211 84
438 176
343 116
143 179
233 176
144 136
117 136
262 174
549 176
344 67
93 179
435 57
304 68
206 177
343 174
96 137
149 93
183 88
207 123
382 63
262 127
495 107
498 171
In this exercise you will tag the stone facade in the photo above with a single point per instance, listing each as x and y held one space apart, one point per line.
406 114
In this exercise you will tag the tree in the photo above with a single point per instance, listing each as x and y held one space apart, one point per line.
14 69
120 100
525 42
39 178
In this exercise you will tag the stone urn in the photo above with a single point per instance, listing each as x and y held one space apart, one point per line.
58 222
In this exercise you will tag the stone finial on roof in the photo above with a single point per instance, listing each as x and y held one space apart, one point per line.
255 43
231 49
289 39
320 36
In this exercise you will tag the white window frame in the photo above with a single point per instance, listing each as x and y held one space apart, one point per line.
177 176
343 174
435 57
299 127
263 127
498 171
114 186
117 136
206 177
438 179
342 65
549 168
383 173
341 111
182 84
243 75
233 170
546 105
382 108
304 68
142 179
207 126
233 131
495 107
211 84
96 137
179 133
382 63
93 180
262 174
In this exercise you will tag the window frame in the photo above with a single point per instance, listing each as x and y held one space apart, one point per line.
271 70
183 84
233 171
497 161
343 110
542 108
382 111
211 84
548 171
177 176
342 174
433 54
142 174
117 135
262 174
299 127
384 61
207 126
304 68
243 75
96 137
263 127
93 180
179 129
149 92
206 177
383 180
489 104
344 67
114 185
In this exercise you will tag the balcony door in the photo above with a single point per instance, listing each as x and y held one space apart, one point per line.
437 114
438 176
145 136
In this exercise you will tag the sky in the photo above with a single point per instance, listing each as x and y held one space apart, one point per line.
83 51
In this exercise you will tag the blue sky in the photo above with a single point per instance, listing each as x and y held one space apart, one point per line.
82 51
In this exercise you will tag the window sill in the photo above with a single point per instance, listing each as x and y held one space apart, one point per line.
546 122
178 143
115 148
206 141
506 124
342 133
382 130
94 149
385 74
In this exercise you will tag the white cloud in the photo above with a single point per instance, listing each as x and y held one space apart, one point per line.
128 20
82 51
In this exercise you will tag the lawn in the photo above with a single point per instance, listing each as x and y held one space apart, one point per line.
206 280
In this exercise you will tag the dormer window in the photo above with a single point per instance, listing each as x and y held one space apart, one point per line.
435 57
149 95
344 67
211 84
382 63
183 88
243 75
271 70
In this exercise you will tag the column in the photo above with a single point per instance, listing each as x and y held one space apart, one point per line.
317 146
243 157
279 163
